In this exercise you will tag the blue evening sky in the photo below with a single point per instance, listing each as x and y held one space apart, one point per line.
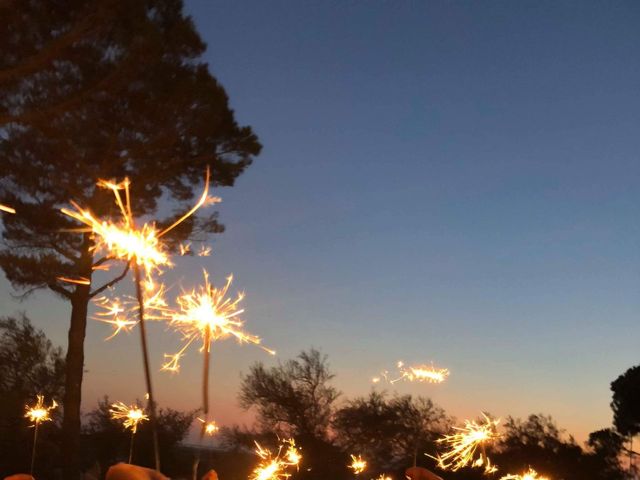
442 181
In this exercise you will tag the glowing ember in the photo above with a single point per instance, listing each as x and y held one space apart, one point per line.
384 477
358 465
131 416
209 428
418 373
39 412
117 312
463 446
77 281
274 467
204 251
7 208
530 474
185 248
207 314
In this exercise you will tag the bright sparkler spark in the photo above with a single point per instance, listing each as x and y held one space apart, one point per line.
530 474
209 428
131 416
204 251
384 477
464 444
77 281
185 248
358 465
274 467
124 240
207 314
418 373
7 208
117 312
39 412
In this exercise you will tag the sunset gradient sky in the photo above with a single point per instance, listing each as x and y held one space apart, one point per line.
455 182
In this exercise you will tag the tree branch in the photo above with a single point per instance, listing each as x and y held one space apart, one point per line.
58 289
112 282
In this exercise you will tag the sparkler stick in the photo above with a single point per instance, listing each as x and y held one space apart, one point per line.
145 360
140 247
131 417
206 314
38 414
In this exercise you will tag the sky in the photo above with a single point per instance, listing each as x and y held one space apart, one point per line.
447 182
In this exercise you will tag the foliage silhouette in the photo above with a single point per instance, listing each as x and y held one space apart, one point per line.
108 441
390 432
29 365
102 89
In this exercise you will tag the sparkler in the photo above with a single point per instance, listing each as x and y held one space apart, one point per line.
207 314
37 414
209 428
464 443
530 474
358 465
384 477
274 467
140 247
7 208
131 416
418 373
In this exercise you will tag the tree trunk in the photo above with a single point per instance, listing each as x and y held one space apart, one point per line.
71 421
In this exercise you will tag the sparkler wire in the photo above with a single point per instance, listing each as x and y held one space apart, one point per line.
147 371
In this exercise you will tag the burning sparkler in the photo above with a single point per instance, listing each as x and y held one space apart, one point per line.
358 465
208 314
274 467
418 373
7 208
384 477
131 416
465 442
37 414
140 247
530 474
209 428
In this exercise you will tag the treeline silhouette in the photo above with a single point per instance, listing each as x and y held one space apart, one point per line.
295 399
